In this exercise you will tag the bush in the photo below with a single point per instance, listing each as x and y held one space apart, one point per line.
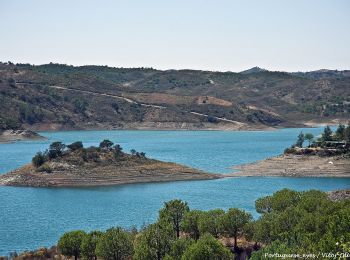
39 159
44 168
75 146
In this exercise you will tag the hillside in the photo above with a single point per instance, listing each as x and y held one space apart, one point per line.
57 96
97 166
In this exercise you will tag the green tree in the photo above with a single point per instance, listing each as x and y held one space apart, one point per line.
327 134
39 159
300 140
133 151
56 149
70 243
88 245
207 248
234 221
340 132
154 242
115 244
190 223
178 248
75 146
347 133
209 222
106 144
174 212
309 137
263 205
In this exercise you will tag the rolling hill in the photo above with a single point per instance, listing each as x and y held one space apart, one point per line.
56 96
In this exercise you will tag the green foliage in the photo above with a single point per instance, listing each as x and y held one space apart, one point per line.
309 137
155 241
106 144
207 248
70 243
190 223
178 248
115 244
75 146
173 212
88 245
300 140
56 149
233 222
38 159
327 134
306 222
209 222
340 133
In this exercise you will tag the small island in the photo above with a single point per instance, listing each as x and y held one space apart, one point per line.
74 166
325 156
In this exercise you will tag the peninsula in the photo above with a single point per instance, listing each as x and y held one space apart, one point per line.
75 166
326 156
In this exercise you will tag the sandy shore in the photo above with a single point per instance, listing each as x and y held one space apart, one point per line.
296 166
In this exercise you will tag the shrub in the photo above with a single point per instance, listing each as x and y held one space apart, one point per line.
39 159
75 146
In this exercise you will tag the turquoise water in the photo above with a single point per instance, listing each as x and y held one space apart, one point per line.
34 217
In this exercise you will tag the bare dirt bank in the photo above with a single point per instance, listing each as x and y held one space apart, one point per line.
68 175
297 166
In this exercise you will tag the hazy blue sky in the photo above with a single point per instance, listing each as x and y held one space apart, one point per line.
198 34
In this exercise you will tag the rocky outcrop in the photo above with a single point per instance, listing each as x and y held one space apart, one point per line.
338 195
19 134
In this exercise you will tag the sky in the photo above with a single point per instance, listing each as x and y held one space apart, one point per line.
219 35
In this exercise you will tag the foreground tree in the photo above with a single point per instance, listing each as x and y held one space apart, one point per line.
178 248
190 223
155 241
207 248
115 244
174 212
70 243
234 221
209 222
88 245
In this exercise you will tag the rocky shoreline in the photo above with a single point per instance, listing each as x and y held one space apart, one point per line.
290 165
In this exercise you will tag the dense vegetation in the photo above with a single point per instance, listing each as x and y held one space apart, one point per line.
257 97
290 222
106 152
329 143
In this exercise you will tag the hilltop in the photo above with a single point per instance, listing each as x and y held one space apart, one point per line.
56 97
74 165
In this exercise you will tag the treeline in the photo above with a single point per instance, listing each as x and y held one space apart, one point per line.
339 139
92 153
290 222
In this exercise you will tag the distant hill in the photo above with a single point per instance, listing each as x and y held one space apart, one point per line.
56 96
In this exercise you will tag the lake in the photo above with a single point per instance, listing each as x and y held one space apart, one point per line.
35 217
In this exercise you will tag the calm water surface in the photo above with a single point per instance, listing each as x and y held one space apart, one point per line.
34 217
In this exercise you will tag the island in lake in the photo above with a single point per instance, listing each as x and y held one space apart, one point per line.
74 165
326 156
